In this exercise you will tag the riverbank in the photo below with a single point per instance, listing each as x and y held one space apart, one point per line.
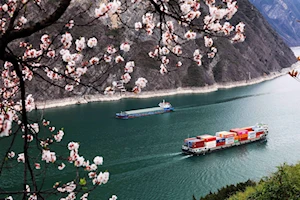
148 94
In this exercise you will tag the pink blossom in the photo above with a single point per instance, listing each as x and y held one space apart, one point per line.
7 65
165 60
136 90
138 26
73 146
21 158
141 82
5 7
107 58
125 46
238 37
30 105
79 161
177 50
179 64
58 137
45 39
45 122
92 42
66 40
80 44
61 166
92 175
164 51
98 160
113 197
69 87
48 156
70 24
29 137
190 35
101 178
11 154
84 196
126 77
51 53
111 49
240 27
23 20
93 167
5 126
94 61
185 8
101 11
129 67
37 166
119 59
211 54
227 28
113 6
163 69
208 42
33 197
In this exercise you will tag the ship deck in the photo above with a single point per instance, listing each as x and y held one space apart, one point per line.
145 110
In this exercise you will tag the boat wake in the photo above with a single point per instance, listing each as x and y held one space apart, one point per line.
193 106
185 157
144 166
143 159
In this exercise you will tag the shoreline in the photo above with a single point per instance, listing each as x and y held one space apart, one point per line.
149 94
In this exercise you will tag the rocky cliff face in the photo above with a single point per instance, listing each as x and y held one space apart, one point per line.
283 16
262 53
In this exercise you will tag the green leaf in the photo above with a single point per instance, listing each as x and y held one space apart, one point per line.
82 181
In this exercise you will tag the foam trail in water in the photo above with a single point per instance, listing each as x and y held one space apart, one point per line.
185 157
143 158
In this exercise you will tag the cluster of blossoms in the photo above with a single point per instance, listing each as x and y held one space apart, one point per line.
128 69
189 12
105 10
74 157
7 11
6 119
8 114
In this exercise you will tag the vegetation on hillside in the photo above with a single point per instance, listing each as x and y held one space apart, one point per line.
282 184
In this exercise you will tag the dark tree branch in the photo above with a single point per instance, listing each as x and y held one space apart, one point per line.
25 32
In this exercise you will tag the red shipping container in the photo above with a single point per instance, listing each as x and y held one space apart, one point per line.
210 139
198 144
207 138
248 128
243 139
220 144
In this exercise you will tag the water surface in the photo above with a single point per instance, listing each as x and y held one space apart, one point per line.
143 155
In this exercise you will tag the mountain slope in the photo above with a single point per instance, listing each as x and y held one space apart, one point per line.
262 53
283 15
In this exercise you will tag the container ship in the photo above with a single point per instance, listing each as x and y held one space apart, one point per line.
202 144
163 107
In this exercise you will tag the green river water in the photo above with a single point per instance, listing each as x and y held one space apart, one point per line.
143 155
